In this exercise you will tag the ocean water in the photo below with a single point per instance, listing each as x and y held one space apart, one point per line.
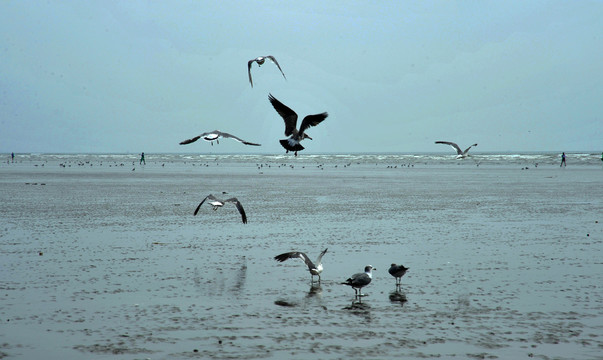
101 257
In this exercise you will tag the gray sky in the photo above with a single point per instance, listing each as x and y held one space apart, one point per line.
395 76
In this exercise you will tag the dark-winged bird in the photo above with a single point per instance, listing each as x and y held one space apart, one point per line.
314 268
290 117
260 61
212 136
360 280
459 153
217 203
397 271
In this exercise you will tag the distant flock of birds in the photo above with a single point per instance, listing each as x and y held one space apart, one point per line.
293 144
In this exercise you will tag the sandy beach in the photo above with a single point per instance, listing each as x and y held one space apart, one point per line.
102 258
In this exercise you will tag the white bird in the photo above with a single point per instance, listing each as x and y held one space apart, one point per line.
397 271
217 203
290 117
212 136
460 153
260 61
314 268
360 280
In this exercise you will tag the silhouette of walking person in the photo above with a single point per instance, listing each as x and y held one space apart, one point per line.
142 159
563 160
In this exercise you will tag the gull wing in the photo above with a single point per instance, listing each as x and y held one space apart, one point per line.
312 120
455 146
319 258
192 140
359 280
249 71
469 148
227 135
210 197
286 113
277 65
295 255
239 207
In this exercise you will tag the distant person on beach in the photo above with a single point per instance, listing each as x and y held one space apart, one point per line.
563 160
142 159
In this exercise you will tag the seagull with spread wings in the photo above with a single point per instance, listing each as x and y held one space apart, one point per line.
212 136
314 268
290 117
460 153
260 61
217 203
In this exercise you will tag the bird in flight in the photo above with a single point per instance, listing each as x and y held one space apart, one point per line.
290 117
212 136
260 61
460 153
217 203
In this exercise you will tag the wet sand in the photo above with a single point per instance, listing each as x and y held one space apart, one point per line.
105 262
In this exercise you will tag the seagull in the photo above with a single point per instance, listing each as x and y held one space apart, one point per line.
398 271
260 60
358 281
216 203
460 153
212 136
315 269
290 117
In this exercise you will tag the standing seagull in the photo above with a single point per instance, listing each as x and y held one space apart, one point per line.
460 153
290 117
315 269
260 60
216 203
214 136
358 281
398 271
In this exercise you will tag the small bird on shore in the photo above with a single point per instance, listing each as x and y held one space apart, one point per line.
217 203
460 153
360 280
260 61
212 136
397 271
314 268
290 117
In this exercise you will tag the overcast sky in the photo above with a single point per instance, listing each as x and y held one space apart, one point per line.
394 76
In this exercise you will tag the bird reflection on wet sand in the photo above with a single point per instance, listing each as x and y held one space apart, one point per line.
314 294
360 309
398 296
241 276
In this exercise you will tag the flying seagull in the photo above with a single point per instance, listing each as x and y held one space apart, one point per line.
358 281
315 269
460 153
290 117
397 271
216 203
214 136
260 60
